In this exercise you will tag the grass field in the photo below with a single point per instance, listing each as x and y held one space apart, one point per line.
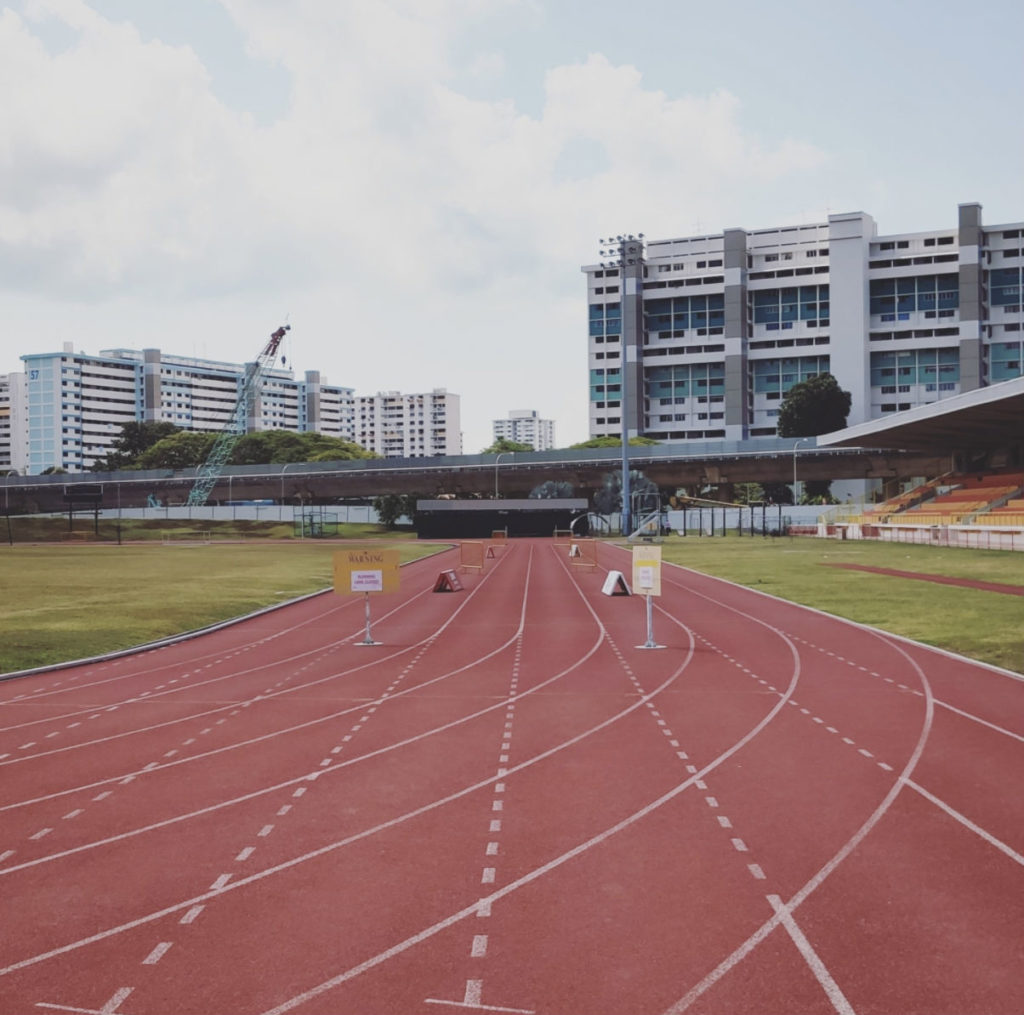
988 626
69 602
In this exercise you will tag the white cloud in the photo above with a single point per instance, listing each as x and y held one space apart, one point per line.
439 225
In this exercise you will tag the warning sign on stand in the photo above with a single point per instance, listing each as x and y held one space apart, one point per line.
647 570
366 571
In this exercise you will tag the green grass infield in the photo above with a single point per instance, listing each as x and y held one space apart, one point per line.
65 602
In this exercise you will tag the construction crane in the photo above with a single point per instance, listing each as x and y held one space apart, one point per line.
235 428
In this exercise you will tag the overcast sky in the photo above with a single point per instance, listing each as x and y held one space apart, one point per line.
415 184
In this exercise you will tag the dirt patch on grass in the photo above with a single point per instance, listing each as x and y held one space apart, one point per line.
940 579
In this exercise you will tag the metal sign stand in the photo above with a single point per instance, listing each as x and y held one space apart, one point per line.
650 643
368 640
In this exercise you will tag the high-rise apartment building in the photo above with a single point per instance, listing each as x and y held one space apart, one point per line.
714 330
524 426
395 425
13 423
76 404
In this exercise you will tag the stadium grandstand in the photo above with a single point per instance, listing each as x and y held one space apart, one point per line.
978 502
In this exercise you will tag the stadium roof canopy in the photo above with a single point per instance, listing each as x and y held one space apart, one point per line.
983 419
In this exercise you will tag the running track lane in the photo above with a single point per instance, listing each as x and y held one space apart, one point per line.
778 812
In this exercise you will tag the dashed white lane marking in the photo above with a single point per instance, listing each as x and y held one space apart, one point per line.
265 831
495 825
157 953
711 801
192 914
246 853
41 833
724 821
755 869
487 878
5 854
484 909
497 805
72 814
479 948
739 845
220 882
831 988
284 810
299 791
492 849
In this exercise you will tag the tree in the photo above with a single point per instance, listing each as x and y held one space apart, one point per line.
181 450
504 446
748 493
551 489
643 493
392 506
135 439
815 406
614 442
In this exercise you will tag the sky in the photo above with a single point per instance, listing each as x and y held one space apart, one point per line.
414 185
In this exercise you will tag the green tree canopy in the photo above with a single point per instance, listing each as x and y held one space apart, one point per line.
392 506
815 406
189 448
135 439
503 446
181 450
614 442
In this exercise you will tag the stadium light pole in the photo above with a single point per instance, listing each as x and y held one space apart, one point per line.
627 254
795 446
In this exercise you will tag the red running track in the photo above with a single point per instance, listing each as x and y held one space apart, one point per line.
509 807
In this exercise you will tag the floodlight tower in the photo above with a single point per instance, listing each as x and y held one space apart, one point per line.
626 253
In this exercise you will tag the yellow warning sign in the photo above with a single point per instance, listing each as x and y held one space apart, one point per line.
366 570
647 570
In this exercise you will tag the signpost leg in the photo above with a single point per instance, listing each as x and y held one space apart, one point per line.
650 643
368 640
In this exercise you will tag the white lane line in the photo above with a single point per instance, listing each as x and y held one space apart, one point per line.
299 791
72 814
265 831
284 810
192 914
495 825
479 948
42 833
755 869
711 801
497 805
974 718
474 991
865 752
116 1001
755 939
492 849
6 853
157 953
103 795
220 882
487 878
246 853
967 823
484 909
739 845
724 821
831 988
